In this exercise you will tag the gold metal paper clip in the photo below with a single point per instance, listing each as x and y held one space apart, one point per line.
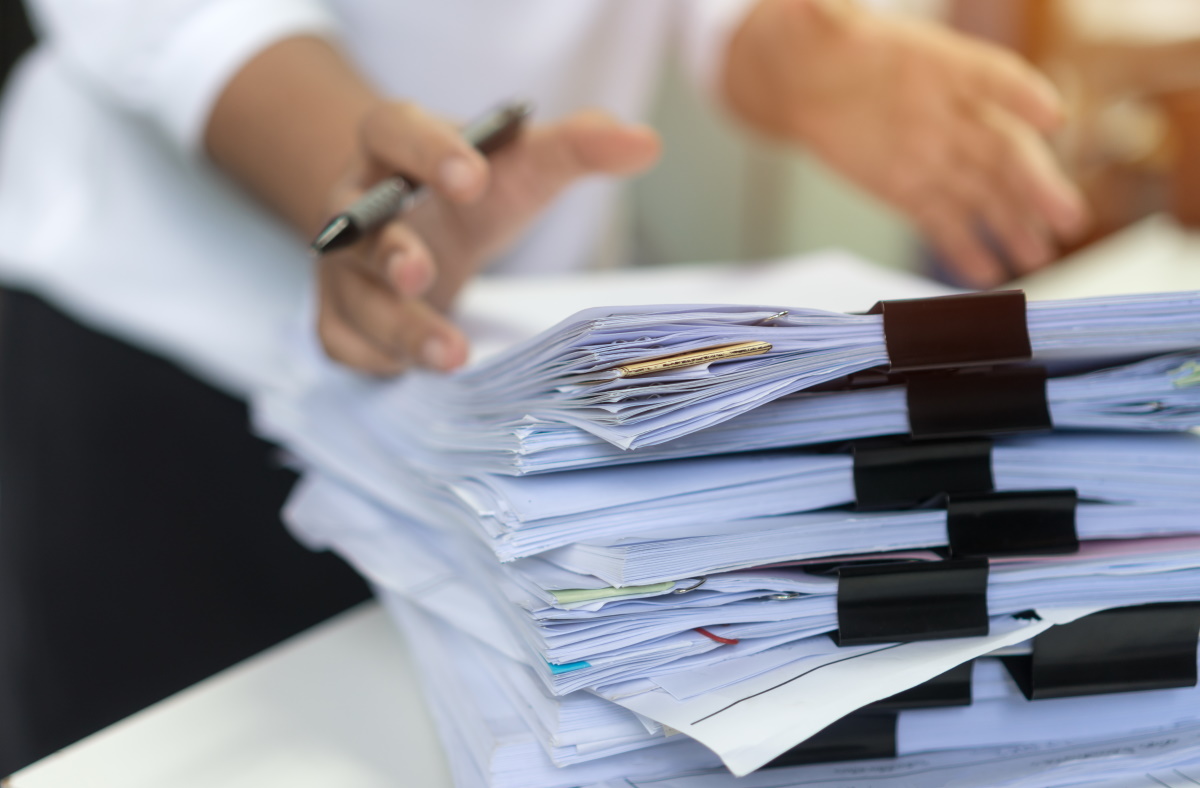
692 358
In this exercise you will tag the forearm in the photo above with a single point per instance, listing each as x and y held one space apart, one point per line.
286 127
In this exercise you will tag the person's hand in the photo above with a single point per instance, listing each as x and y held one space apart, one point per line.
300 128
382 301
943 127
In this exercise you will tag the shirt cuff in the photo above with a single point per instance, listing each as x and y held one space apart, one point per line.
217 41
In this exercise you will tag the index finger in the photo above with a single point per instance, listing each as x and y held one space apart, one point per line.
1018 87
400 138
1033 171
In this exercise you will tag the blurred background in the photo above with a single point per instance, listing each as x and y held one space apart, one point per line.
1130 72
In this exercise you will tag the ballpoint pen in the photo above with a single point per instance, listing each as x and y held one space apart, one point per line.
393 195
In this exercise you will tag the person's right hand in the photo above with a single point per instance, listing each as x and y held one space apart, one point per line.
381 300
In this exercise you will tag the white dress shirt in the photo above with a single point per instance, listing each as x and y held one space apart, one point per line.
109 208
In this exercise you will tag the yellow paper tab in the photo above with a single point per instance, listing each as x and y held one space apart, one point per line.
692 358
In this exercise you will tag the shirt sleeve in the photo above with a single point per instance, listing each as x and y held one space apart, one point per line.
707 27
169 59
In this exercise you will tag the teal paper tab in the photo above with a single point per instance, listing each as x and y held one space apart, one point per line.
567 668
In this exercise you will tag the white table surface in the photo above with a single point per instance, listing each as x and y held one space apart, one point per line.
340 706
1152 256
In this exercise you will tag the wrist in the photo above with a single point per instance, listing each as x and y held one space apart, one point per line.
287 127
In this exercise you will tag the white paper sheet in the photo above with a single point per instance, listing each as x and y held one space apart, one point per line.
751 724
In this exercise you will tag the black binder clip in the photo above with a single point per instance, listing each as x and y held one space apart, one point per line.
900 603
974 329
900 473
870 378
952 688
1025 522
858 736
1127 649
978 402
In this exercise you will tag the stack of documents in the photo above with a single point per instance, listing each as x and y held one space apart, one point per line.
493 719
668 545
572 373
590 635
1148 395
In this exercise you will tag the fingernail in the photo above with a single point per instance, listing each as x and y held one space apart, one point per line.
458 175
395 263
1072 210
434 353
410 277
1049 96
1080 217
1035 252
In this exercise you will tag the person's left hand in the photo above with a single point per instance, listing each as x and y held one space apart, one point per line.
946 128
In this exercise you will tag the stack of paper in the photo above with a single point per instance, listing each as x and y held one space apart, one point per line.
570 373
618 578
493 717
1149 395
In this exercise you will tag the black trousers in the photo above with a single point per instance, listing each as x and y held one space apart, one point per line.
140 542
